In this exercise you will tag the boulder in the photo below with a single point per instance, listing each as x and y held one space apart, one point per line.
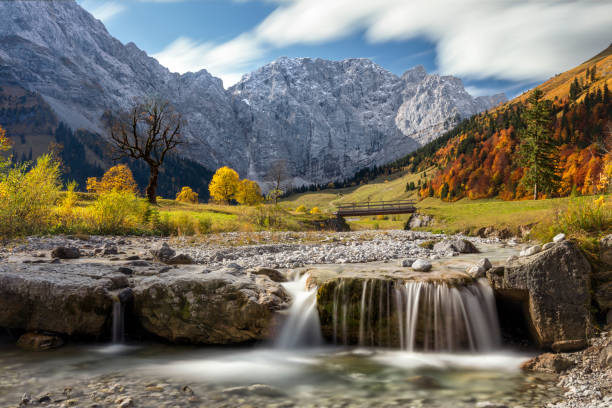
418 221
547 363
163 253
421 265
553 288
180 259
212 308
462 246
66 253
39 342
532 250
476 271
485 264
605 250
273 274
405 263
60 298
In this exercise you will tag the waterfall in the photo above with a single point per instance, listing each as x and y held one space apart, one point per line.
413 315
302 327
118 311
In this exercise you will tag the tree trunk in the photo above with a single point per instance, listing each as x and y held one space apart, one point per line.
152 187
535 191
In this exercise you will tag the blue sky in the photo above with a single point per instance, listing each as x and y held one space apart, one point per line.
493 45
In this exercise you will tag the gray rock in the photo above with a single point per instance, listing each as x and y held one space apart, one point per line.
553 287
532 250
273 274
547 363
163 253
477 271
66 253
39 342
213 308
511 258
64 298
405 263
547 246
558 238
485 264
180 259
421 265
462 246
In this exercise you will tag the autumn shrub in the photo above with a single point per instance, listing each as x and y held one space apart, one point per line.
117 212
27 197
118 178
204 225
184 224
315 210
301 209
381 217
187 195
579 219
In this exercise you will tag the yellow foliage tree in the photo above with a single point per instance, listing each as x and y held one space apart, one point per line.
187 195
118 178
315 210
249 193
224 185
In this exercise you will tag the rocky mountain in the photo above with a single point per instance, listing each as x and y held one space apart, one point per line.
328 119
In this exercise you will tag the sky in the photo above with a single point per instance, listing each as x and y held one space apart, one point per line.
493 45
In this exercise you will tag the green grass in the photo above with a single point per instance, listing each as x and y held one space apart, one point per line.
461 216
382 189
465 214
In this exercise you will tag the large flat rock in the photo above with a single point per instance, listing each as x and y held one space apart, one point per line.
70 299
183 304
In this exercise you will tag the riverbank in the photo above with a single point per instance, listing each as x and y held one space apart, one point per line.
227 289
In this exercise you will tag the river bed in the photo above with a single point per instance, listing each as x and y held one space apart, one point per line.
154 375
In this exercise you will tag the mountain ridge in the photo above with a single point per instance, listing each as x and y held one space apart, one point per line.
350 115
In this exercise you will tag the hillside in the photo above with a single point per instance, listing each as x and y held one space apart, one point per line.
478 158
34 129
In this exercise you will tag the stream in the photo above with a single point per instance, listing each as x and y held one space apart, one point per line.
298 368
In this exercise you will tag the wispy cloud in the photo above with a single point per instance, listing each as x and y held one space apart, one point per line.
104 10
515 40
228 60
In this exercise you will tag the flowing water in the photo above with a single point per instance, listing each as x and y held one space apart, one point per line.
301 327
429 319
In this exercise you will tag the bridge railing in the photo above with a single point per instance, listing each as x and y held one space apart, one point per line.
374 207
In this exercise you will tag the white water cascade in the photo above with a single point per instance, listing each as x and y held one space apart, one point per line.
118 324
430 316
302 327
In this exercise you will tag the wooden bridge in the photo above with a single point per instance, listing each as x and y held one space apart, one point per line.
375 208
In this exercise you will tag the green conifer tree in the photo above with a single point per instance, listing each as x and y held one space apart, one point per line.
538 153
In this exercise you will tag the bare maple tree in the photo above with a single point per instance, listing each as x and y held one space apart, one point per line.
147 132
277 175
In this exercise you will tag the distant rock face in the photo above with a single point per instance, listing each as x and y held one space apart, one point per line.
337 117
328 119
553 287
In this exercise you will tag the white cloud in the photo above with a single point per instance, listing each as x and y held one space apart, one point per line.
227 60
104 10
516 40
